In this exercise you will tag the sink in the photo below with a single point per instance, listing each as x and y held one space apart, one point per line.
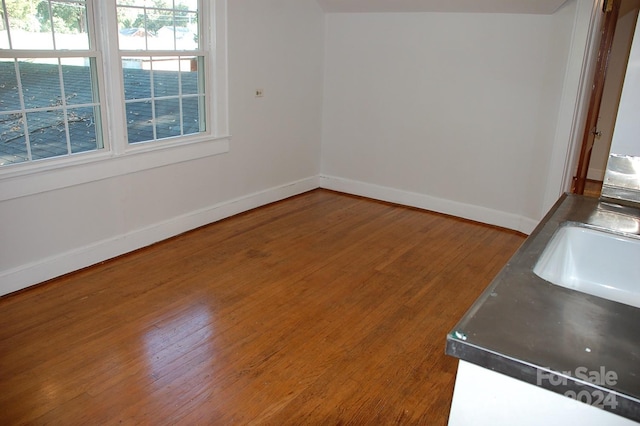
592 261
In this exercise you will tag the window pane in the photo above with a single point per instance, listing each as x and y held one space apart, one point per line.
189 76
165 93
13 144
191 5
132 34
47 134
177 37
192 114
27 30
40 84
157 19
168 118
49 105
137 79
33 25
30 40
165 79
9 95
69 25
139 122
165 83
82 129
158 25
189 38
78 81
4 35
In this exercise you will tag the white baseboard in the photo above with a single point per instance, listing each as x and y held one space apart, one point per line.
30 274
426 202
27 275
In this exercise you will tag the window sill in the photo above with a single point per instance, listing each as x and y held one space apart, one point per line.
62 173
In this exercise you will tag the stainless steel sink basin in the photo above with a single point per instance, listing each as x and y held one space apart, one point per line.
592 261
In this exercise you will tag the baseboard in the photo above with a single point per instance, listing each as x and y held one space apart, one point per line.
27 275
426 202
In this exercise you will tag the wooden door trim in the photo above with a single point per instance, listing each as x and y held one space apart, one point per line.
611 8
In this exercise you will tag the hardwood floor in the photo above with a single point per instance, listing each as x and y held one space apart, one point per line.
321 309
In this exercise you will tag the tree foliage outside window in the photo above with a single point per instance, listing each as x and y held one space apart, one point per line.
68 18
35 16
159 14
23 14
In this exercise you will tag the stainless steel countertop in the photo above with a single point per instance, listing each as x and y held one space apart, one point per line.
526 327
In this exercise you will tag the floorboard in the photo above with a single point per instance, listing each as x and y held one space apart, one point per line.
321 309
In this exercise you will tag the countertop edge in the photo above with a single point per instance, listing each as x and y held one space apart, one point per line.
522 366
627 406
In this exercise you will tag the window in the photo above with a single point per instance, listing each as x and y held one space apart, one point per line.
163 64
151 76
49 94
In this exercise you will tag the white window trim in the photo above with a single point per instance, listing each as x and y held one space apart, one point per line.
118 158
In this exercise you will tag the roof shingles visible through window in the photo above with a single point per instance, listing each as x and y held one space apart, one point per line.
41 86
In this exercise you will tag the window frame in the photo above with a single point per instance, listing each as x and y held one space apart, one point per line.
204 50
118 157
60 54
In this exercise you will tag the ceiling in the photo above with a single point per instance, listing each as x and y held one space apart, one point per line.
470 6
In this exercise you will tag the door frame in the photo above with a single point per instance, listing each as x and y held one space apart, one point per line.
607 32
574 101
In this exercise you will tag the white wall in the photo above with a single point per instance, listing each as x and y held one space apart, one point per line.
448 111
276 45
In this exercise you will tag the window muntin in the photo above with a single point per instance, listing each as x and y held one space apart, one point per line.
204 130
49 93
158 24
164 96
163 68
45 25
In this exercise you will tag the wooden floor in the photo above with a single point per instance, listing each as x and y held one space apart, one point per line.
321 309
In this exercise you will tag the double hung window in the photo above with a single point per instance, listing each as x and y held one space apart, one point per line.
97 79
163 64
50 98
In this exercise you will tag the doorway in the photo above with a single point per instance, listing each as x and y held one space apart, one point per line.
598 133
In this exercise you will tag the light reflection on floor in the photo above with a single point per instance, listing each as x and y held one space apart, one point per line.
176 335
